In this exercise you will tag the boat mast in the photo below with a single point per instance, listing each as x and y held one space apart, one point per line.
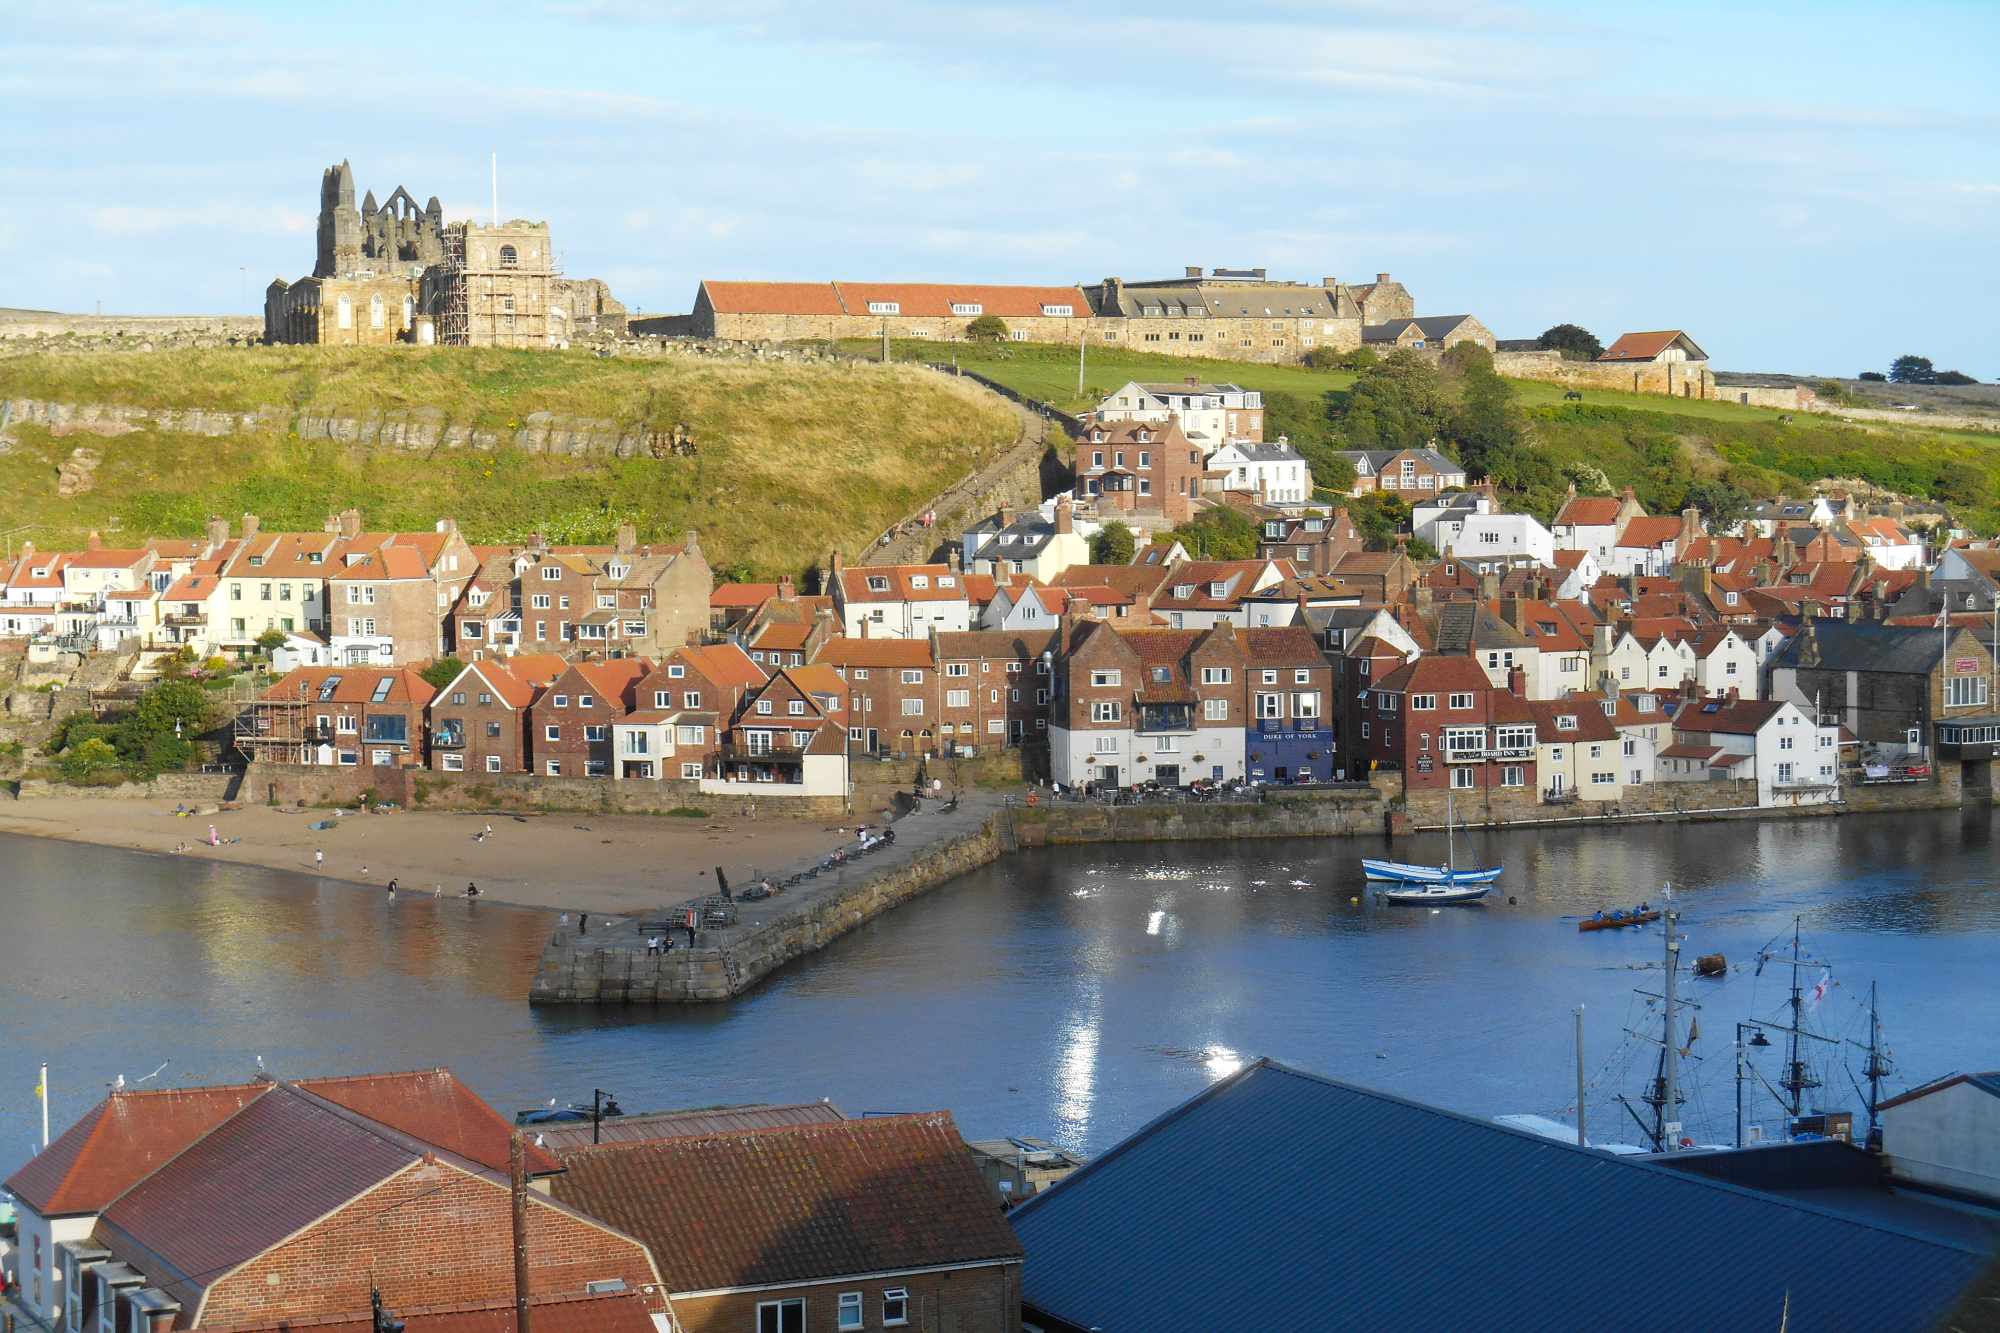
1664 1093
1797 1077
1879 1066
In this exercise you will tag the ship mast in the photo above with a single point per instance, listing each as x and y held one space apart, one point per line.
1663 1093
1796 1078
1879 1065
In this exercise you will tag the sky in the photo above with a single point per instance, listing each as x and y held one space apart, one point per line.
1812 188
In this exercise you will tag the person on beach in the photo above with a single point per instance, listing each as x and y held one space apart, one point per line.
319 859
392 888
471 889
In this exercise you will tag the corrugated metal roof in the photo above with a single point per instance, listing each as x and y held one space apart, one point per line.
1277 1199
646 1128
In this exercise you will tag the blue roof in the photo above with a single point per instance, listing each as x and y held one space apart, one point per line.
1279 1199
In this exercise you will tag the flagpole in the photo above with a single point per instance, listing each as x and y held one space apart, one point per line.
43 1089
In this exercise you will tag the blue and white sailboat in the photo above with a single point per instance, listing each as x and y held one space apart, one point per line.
1434 884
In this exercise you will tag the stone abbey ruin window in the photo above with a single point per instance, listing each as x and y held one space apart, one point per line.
509 257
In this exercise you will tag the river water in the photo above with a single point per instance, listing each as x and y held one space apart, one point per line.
1072 994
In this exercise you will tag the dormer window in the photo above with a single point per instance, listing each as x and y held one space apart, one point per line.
675 671
947 581
1565 722
1183 590
920 580
878 583
1218 590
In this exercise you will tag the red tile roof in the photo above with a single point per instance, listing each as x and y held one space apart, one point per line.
773 298
614 679
844 652
353 684
795 1203
1645 346
744 596
1648 531
1741 718
724 664
934 300
1590 511
108 558
1434 674
942 583
1590 723
120 1141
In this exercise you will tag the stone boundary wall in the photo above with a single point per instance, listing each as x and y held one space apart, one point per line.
1673 379
572 974
52 324
526 793
214 787
1325 814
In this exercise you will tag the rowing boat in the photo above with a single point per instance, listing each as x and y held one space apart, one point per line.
1617 921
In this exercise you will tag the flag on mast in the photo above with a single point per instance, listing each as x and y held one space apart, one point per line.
1819 988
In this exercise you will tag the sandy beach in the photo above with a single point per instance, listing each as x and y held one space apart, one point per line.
598 863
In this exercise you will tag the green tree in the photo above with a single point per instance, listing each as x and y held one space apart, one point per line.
987 329
1487 424
1378 517
1575 342
1467 358
1114 544
1872 377
442 672
1912 370
1333 358
1399 404
1954 378
175 701
1722 504
271 639
1961 483
1220 533
1587 479
88 761
1330 471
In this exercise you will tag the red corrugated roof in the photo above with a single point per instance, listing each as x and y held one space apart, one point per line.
432 1105
1645 346
119 1142
790 1204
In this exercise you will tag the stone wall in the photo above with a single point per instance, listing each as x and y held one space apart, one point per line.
424 789
1324 812
208 787
574 974
126 331
1673 379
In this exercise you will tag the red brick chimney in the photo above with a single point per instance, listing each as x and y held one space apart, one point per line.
1517 682
787 591
1065 517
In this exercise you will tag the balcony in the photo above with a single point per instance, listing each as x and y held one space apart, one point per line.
1511 751
448 736
1154 718
734 753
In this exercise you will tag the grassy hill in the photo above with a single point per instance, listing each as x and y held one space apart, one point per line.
793 459
1653 443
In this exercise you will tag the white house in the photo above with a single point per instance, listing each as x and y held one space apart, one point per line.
1888 543
1725 661
655 744
1945 1136
1577 750
900 601
1211 415
1794 759
1644 729
1476 536
1426 513
1647 545
1040 543
1274 473
1592 522
1652 661
1024 606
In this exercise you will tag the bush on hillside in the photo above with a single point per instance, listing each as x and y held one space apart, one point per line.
987 329
1113 544
1575 342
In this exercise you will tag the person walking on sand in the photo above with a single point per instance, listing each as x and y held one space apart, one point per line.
319 859
392 888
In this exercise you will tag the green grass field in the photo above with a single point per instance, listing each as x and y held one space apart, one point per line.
1620 433
793 459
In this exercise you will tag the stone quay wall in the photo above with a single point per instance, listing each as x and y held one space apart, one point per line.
1329 812
213 788
580 969
525 793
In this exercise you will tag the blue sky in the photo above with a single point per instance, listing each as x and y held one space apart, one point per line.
1808 188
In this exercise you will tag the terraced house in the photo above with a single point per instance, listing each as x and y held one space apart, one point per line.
1288 723
393 604
479 721
1147 705
993 688
570 722
899 601
893 700
1444 724
340 716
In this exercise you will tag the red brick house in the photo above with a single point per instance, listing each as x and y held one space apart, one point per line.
882 1223
1444 724
289 1204
570 722
479 720
994 687
1314 543
892 687
792 732
343 716
1139 467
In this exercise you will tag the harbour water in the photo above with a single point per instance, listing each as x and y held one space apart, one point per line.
1068 993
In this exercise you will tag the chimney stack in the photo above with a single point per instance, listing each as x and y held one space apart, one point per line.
952 557
218 532
93 542
628 538
1517 682
1194 270
249 526
787 590
1006 516
1065 516
1381 277
350 523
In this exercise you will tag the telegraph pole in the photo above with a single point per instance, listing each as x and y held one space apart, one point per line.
1082 337
517 1171
1580 1140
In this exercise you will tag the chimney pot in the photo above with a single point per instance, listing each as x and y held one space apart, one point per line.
249 526
1194 270
1381 277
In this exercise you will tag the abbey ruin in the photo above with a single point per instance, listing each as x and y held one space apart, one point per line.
394 272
